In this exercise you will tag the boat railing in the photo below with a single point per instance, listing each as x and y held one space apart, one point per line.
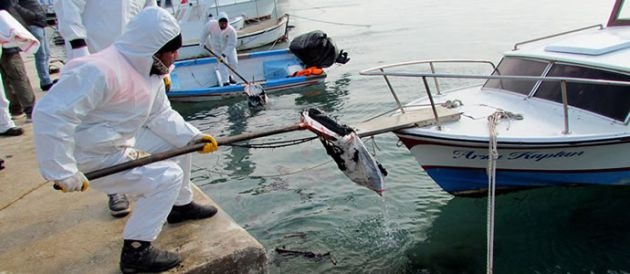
600 26
381 71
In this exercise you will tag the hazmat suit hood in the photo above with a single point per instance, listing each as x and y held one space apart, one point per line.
223 15
144 35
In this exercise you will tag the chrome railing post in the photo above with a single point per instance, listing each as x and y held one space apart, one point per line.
426 86
565 103
391 89
435 79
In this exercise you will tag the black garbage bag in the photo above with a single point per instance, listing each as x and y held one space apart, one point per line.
315 48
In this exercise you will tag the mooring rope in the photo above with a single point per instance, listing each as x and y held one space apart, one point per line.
493 152
24 195
334 23
493 120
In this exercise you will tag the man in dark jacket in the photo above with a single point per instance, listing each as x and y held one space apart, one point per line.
34 16
16 83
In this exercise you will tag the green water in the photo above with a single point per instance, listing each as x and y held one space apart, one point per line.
295 197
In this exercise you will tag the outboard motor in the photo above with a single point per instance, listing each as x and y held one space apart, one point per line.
315 48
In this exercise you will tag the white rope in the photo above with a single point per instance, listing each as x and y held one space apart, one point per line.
493 152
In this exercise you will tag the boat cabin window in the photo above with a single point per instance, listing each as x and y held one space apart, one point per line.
609 100
520 67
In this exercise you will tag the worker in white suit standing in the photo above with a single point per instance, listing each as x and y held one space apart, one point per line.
222 40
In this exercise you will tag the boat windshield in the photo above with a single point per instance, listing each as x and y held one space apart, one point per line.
516 66
612 101
609 100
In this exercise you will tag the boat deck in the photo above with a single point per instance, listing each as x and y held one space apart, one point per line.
411 118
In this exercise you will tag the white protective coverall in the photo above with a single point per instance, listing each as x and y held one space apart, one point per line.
12 32
99 22
105 108
221 42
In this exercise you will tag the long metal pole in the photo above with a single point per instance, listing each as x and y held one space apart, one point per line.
221 60
187 149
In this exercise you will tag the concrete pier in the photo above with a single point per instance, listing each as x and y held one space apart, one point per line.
46 231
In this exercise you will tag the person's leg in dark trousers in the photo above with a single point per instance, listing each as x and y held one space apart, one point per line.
14 105
17 85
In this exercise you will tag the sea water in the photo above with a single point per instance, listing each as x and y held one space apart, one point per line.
295 197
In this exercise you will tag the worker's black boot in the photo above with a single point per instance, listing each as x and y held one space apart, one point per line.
140 256
191 211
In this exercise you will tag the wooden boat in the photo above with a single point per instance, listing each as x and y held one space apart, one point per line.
251 36
554 112
273 70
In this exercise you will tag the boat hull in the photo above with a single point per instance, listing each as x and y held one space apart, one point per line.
219 93
460 167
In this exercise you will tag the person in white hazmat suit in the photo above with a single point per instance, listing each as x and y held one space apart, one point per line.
89 26
108 107
222 41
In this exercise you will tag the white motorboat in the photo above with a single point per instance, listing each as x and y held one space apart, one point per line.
553 112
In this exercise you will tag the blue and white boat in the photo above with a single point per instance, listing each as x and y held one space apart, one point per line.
553 112
273 70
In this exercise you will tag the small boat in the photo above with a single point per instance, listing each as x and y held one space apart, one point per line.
265 32
273 70
251 36
553 112
251 10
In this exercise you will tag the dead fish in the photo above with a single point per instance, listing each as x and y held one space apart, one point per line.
346 148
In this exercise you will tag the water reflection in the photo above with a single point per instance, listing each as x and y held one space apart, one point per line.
329 99
579 230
